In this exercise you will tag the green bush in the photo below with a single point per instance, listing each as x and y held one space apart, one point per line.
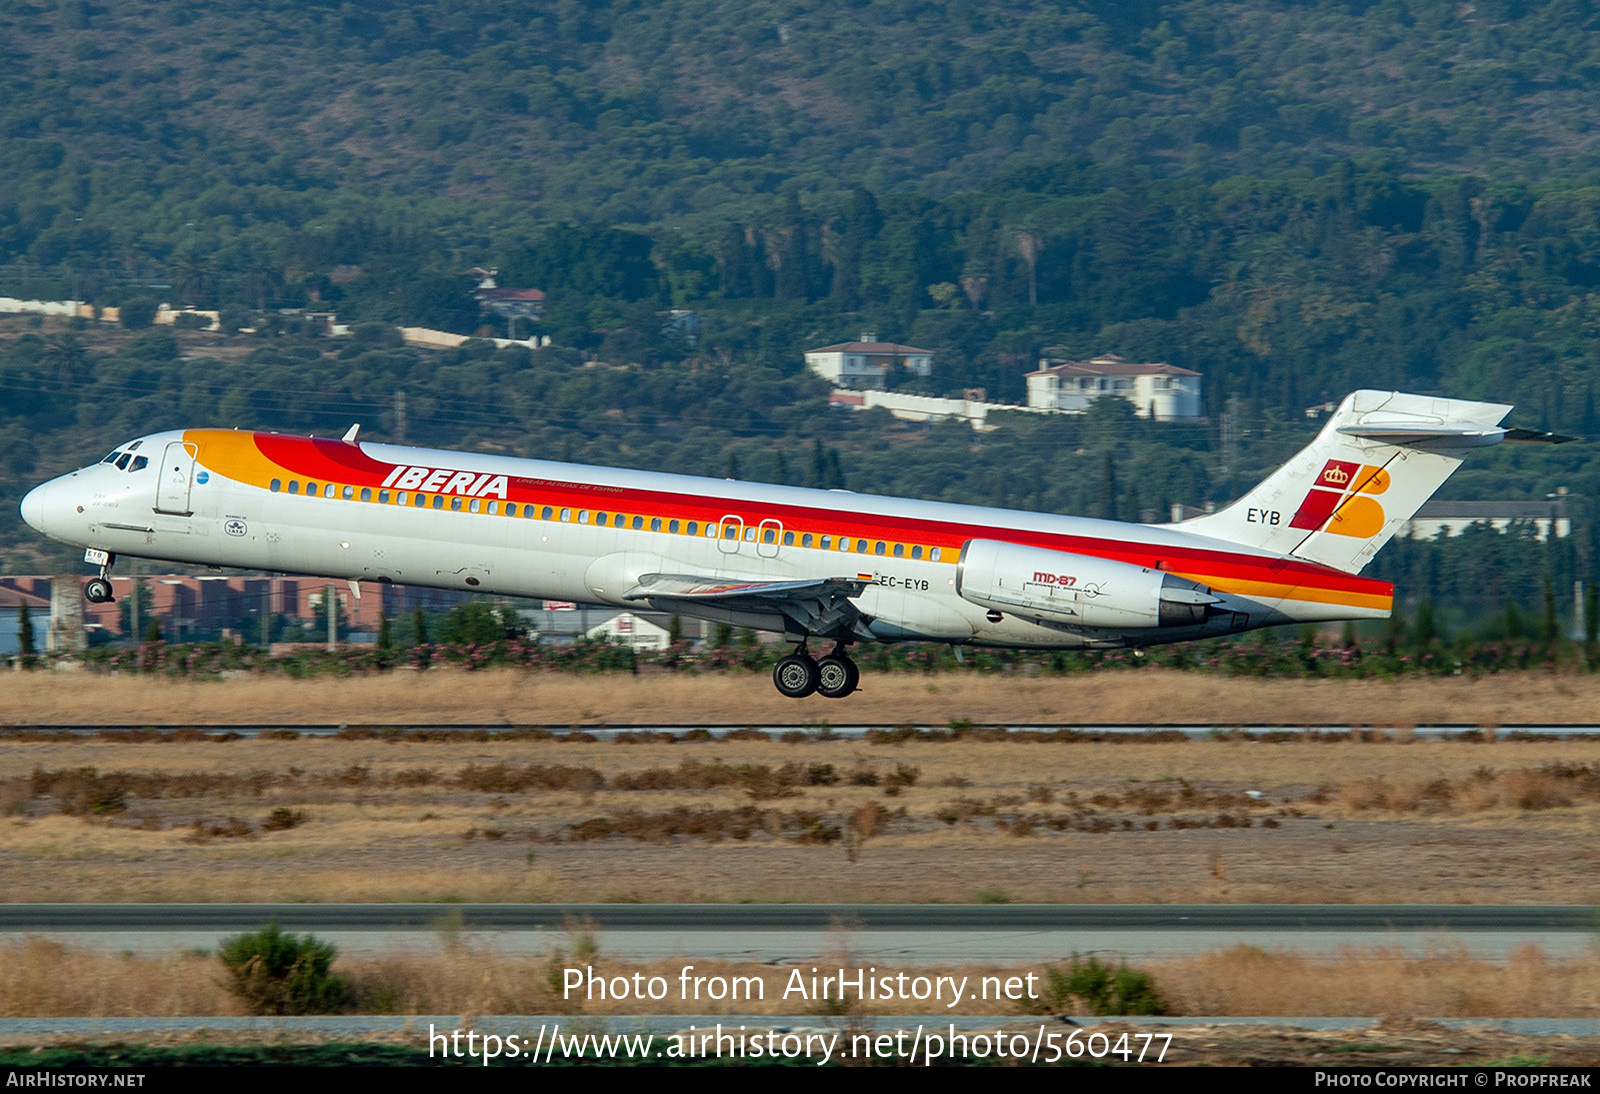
138 313
277 973
1103 990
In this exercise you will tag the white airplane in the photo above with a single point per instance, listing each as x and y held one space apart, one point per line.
810 564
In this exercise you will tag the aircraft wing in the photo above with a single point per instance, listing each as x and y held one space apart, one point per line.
817 605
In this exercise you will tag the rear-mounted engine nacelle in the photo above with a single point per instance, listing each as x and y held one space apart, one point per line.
1056 588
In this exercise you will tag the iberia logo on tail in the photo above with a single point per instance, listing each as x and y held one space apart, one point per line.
1340 501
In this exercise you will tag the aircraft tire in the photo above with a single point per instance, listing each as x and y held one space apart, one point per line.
97 591
837 676
796 676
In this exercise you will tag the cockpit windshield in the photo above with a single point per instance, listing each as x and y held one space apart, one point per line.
127 461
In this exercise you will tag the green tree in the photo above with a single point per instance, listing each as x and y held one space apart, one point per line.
24 632
138 313
475 624
1550 633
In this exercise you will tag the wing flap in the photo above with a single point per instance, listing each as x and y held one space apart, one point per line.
770 593
813 606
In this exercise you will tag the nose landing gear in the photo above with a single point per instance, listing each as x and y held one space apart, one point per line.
98 590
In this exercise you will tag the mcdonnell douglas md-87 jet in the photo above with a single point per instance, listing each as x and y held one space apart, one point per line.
822 566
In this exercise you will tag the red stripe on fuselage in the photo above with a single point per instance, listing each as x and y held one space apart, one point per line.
347 463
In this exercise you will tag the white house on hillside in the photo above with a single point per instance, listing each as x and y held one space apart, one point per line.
1161 392
866 363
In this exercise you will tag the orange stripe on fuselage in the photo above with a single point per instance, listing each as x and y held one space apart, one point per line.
257 458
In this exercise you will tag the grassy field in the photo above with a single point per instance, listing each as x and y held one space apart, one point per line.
1155 696
45 978
1341 817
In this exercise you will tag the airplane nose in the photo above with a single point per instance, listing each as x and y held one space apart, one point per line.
34 504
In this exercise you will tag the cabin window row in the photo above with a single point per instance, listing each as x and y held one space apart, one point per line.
767 533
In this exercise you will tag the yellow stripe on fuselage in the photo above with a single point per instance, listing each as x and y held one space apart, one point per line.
1277 590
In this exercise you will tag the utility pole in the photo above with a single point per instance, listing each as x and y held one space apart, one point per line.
1230 433
332 606
400 416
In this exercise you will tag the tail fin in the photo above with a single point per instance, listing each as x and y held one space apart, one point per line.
1381 455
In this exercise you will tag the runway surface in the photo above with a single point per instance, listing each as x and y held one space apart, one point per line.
793 932
1437 731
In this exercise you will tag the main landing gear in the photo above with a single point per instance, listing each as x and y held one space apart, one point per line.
98 589
834 676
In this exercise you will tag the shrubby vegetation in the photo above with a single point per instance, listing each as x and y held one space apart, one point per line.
1508 641
277 973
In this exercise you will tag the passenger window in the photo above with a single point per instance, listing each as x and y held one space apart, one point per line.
294 487
600 519
655 524
934 554
277 485
583 516
311 489
545 512
916 552
455 505
420 501
694 528
438 501
899 550
769 535
788 539
328 491
805 540
566 515
383 497
494 507
861 546
673 527
366 493
511 508
827 543
348 493
844 543
638 522
473 506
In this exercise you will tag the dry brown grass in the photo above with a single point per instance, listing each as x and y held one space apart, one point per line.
42 978
1155 696
1380 982
900 818
1551 786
